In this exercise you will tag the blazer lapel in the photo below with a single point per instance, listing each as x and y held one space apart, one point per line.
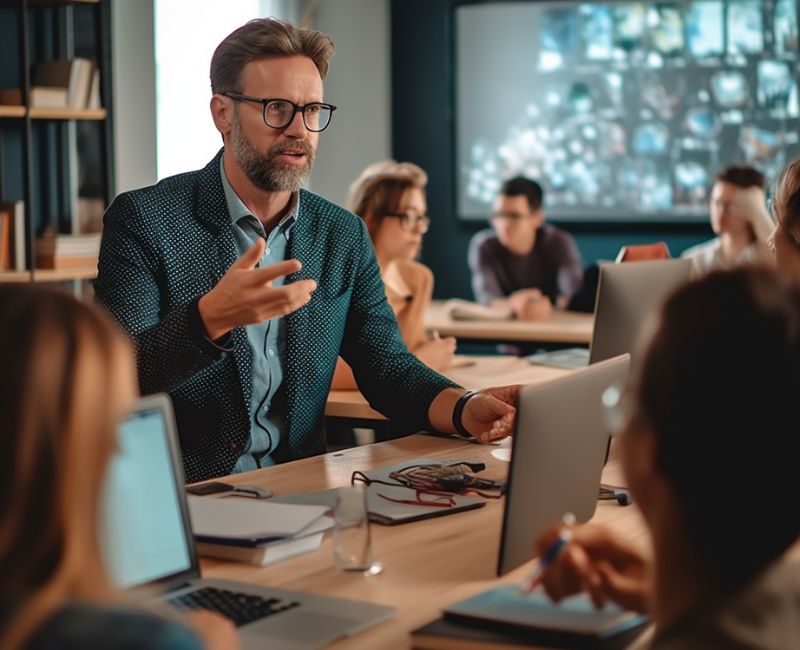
213 214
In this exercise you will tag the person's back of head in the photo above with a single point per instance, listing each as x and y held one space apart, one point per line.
718 387
379 189
61 359
522 186
742 176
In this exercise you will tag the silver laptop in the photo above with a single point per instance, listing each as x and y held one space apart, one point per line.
148 542
627 294
557 456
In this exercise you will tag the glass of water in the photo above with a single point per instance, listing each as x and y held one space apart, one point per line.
352 545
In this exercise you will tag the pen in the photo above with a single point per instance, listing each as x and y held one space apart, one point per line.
550 555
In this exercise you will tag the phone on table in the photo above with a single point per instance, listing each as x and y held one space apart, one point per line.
211 487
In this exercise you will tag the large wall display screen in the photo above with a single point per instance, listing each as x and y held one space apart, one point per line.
623 110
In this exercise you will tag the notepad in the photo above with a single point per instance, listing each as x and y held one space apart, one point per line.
459 309
575 616
248 523
566 358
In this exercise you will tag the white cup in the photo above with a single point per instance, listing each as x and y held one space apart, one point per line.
352 544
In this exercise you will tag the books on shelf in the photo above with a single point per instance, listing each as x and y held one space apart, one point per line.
39 97
67 251
503 617
12 235
74 75
459 309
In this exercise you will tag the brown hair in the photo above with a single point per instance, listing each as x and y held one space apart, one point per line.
60 357
726 427
379 189
742 176
261 38
786 198
521 186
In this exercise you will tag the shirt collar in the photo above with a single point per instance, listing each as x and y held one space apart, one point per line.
238 210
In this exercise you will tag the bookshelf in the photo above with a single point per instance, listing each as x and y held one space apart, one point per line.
57 161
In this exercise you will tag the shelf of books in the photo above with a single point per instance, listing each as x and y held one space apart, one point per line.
67 113
15 276
12 111
60 275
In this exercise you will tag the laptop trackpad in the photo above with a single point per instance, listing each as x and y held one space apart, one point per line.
302 627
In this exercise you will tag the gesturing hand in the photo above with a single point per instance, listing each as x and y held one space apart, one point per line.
490 414
245 294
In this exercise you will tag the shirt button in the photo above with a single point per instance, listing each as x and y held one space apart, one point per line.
268 251
271 352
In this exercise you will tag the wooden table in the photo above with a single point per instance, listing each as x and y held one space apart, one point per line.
427 564
562 327
484 371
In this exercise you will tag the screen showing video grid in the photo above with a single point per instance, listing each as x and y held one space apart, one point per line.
624 111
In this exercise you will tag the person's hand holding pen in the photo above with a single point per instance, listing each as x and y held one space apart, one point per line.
595 559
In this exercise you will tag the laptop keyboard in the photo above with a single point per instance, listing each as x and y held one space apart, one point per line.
238 607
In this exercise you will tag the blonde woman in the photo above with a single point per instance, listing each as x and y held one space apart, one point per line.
68 378
786 210
390 197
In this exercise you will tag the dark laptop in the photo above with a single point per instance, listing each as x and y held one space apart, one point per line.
148 542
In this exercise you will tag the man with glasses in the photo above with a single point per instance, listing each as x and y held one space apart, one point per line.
241 289
523 263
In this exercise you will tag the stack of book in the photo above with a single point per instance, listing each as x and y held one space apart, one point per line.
257 532
67 251
503 618
73 83
12 236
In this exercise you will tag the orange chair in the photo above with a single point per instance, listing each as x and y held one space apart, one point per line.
641 252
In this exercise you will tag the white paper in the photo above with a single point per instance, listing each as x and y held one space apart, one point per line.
246 519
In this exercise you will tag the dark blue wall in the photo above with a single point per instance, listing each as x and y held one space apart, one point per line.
422 121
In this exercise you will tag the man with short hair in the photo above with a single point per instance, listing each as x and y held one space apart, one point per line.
240 289
740 220
523 263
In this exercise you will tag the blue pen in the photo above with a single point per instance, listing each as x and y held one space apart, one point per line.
550 555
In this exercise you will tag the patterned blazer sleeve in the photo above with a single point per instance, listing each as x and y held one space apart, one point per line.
130 284
392 379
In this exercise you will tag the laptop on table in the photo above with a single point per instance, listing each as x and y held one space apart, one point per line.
557 456
627 294
148 542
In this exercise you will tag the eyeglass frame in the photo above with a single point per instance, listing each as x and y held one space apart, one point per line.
423 221
295 108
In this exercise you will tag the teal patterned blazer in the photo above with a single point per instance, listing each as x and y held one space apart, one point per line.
166 245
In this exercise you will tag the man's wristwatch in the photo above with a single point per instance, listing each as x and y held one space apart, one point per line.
458 409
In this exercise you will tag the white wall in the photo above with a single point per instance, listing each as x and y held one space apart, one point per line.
134 91
359 84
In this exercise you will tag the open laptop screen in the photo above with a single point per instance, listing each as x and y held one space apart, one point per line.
142 526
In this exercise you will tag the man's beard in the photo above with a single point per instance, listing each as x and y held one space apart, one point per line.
264 171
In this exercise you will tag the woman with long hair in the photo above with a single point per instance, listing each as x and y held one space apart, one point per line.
709 446
390 197
68 379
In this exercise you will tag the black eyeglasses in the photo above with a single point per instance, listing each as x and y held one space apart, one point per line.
409 221
279 113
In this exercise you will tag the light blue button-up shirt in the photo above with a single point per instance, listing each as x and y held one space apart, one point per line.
267 340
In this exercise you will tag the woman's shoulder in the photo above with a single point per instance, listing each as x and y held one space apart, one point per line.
78 626
414 273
